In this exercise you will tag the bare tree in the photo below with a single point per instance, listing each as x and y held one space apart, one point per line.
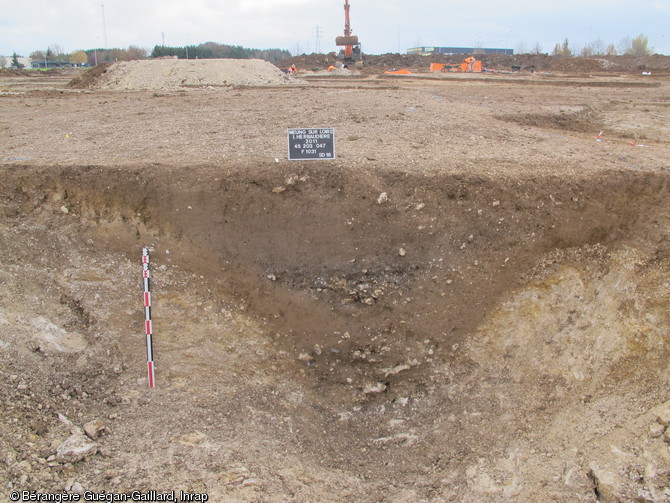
135 52
594 48
537 49
598 46
586 52
57 53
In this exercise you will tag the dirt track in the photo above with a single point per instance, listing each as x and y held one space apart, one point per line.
494 329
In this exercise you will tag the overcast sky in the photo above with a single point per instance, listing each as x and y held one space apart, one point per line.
382 26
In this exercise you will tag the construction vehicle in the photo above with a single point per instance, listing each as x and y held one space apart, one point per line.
352 48
470 64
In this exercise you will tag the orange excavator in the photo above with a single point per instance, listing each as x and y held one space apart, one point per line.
352 48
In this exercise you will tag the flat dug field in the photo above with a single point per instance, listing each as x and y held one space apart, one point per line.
470 303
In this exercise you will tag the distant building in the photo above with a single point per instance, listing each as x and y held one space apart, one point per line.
40 63
427 51
7 60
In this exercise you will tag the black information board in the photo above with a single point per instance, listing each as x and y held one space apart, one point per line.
311 143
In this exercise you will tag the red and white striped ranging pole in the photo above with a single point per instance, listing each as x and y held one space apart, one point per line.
146 273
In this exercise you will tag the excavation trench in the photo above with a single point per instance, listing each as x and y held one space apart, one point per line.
381 287
387 258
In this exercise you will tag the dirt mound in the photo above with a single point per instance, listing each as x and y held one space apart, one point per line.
23 72
578 118
167 74
310 61
89 77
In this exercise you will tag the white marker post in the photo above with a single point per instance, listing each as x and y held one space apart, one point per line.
146 273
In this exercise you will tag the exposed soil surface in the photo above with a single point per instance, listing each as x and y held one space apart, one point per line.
470 303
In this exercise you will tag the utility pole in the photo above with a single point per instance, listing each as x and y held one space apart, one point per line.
104 24
317 48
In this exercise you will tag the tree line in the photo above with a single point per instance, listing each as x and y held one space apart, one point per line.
637 47
55 54
211 50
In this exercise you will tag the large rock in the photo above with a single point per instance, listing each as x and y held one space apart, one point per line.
95 428
75 448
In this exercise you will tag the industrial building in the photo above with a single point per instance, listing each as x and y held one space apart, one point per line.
427 51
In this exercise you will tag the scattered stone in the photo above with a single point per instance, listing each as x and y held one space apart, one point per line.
606 484
664 416
402 252
74 430
22 467
420 206
64 209
383 197
395 370
77 488
371 389
104 452
192 439
110 474
656 430
39 427
75 448
304 357
95 428
359 355
272 277
278 190
576 479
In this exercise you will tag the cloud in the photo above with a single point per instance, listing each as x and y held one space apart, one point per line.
287 24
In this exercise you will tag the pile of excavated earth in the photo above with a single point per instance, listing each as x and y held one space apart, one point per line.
469 303
169 74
